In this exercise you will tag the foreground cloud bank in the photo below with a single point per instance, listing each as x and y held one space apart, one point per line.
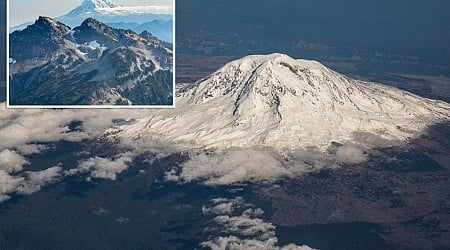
24 133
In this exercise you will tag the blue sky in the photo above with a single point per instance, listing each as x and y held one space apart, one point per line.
22 11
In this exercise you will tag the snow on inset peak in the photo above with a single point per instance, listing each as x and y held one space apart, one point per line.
99 4
89 6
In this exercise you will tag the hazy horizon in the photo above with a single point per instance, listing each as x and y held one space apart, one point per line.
53 8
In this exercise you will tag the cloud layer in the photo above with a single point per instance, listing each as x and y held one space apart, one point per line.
23 133
11 162
26 132
231 166
233 229
238 165
28 182
103 168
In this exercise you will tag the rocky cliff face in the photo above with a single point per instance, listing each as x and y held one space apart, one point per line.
90 64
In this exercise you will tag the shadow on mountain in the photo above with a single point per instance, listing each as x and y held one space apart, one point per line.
428 152
398 198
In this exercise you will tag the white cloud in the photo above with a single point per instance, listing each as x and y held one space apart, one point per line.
233 165
21 127
224 206
22 132
373 140
30 183
37 179
172 175
10 161
8 185
236 243
245 225
29 149
247 230
256 212
351 153
237 165
103 168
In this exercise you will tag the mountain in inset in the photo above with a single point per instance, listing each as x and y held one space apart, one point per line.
92 64
154 19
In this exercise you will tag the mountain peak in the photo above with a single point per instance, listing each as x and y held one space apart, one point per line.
147 35
92 29
277 101
91 22
46 26
89 6
44 19
98 4
272 77
49 22
42 39
96 26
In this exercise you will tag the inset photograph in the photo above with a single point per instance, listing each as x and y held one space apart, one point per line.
91 54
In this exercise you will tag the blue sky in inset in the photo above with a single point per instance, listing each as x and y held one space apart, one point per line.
22 11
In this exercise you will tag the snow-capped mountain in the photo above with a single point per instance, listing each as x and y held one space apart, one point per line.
283 103
112 13
90 64
89 6
92 5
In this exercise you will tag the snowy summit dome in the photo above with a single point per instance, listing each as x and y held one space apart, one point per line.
99 4
88 6
277 101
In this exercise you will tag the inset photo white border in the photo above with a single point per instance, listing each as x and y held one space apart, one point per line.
87 106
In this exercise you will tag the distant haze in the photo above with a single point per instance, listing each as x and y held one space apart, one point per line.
22 11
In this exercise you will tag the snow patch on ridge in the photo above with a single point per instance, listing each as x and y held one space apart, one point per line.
94 44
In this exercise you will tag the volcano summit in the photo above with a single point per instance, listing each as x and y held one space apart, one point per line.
279 102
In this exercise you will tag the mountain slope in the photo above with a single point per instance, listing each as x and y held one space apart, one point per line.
39 43
91 64
276 101
91 5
